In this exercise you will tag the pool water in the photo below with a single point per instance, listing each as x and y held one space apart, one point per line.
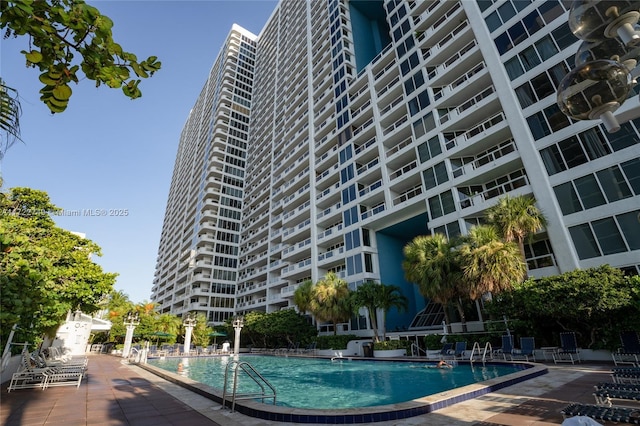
322 383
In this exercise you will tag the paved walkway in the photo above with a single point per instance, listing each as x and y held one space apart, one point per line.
115 393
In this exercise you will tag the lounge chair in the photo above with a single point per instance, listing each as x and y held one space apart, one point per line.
446 350
507 347
28 374
626 375
598 412
569 351
629 352
458 350
34 372
65 377
617 386
527 349
605 396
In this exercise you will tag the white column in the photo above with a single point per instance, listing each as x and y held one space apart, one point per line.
130 321
238 322
189 323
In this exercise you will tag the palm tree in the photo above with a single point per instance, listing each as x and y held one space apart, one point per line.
367 296
432 263
373 296
331 300
490 265
516 218
302 296
390 296
10 111
169 324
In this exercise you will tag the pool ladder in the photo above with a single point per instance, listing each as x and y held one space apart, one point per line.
253 374
483 354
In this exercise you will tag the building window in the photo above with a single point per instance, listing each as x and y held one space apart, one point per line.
414 82
572 152
441 204
584 241
631 169
567 198
424 125
368 262
589 191
435 175
613 183
630 226
608 236
429 149
538 125
419 103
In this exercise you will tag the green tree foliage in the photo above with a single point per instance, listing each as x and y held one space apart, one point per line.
432 263
277 329
60 30
516 218
377 296
200 335
331 301
46 271
490 265
596 303
302 296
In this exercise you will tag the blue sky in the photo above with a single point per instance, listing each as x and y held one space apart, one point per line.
109 152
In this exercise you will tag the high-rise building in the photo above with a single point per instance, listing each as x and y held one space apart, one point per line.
373 122
197 260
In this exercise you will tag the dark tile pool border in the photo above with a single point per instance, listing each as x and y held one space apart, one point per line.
380 413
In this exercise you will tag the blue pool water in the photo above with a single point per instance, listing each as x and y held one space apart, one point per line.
322 383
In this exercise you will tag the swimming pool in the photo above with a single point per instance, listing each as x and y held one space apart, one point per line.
316 383
386 412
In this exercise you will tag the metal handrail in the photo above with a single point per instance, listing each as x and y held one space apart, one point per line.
418 350
251 373
482 353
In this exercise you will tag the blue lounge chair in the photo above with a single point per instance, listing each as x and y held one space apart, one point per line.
626 375
458 350
507 347
629 352
446 350
605 396
527 349
569 351
598 412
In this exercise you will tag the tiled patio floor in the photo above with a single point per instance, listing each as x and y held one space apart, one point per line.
115 393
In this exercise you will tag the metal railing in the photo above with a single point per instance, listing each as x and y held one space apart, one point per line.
251 372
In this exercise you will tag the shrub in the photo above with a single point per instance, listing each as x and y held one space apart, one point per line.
433 341
335 342
391 344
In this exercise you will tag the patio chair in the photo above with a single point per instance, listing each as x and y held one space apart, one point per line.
569 351
617 386
527 349
458 350
507 347
605 396
626 375
629 352
446 350
598 412
65 377
28 374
